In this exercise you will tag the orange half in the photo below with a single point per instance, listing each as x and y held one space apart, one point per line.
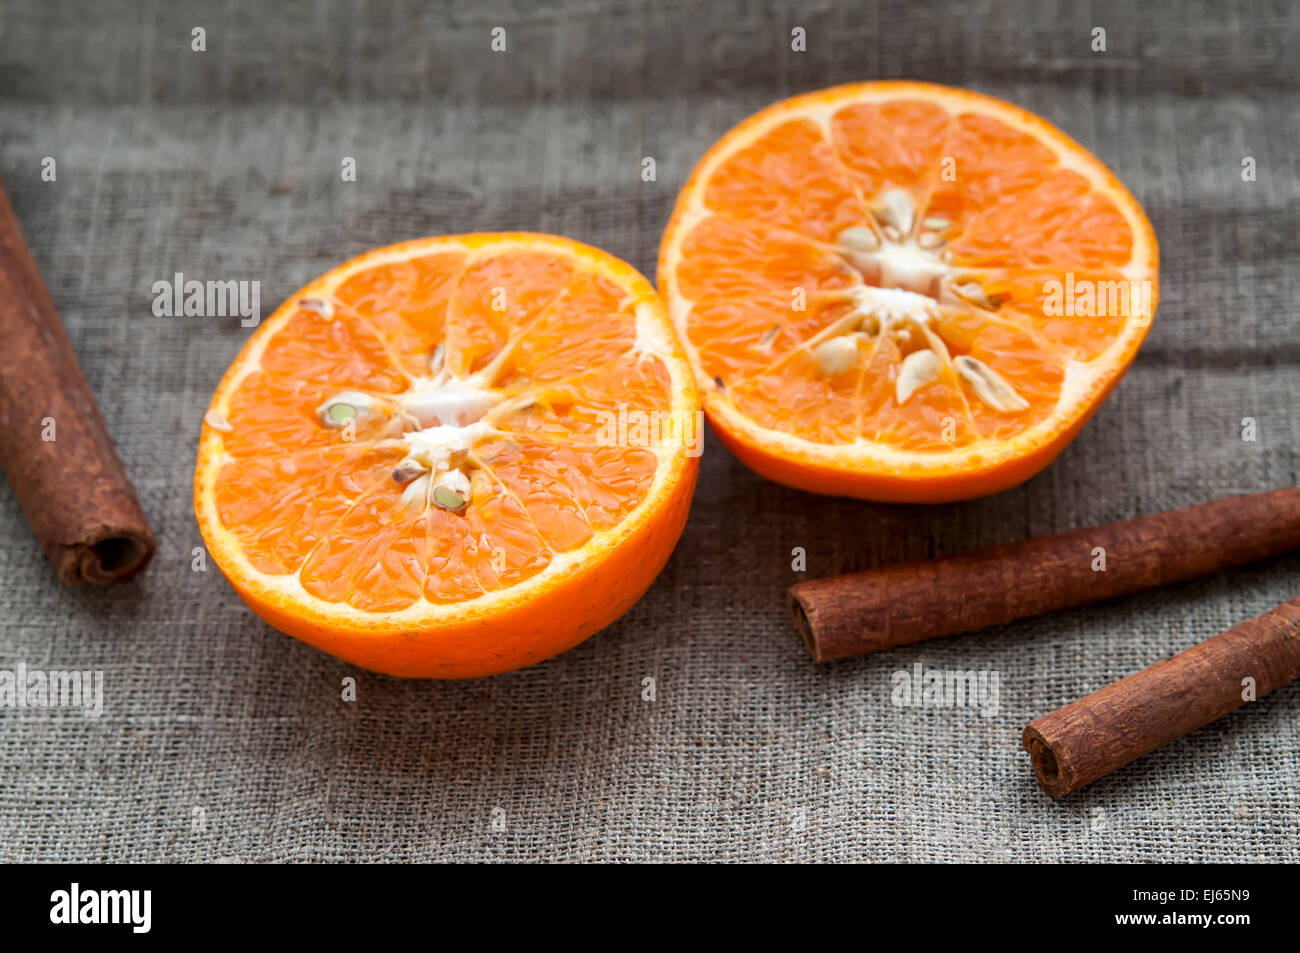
454 456
904 292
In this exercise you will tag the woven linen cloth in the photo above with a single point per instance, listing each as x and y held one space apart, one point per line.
223 739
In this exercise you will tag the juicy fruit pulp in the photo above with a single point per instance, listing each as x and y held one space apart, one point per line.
414 443
901 291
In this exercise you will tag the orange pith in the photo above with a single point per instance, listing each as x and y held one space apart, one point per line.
904 292
417 463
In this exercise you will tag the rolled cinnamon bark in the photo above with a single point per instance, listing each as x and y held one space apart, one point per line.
863 612
53 442
1084 741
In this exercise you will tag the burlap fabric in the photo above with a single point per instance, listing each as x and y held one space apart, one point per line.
221 738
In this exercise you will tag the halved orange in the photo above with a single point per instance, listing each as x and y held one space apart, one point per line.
454 456
904 292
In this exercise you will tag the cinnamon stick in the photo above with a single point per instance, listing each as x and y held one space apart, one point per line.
863 612
1094 736
53 442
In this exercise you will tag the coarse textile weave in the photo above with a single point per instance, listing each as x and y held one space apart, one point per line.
223 739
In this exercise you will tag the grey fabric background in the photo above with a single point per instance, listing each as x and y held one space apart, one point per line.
225 165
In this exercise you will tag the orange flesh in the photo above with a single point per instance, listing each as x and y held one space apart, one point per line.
302 499
761 275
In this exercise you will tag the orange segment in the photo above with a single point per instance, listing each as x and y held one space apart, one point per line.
591 485
953 259
935 418
794 396
269 413
790 178
454 456
734 259
496 296
575 333
372 558
494 547
897 142
1061 223
537 472
738 337
406 303
347 354
990 165
313 490
1080 312
1035 372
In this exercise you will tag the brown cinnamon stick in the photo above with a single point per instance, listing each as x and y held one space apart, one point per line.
53 442
863 612
1094 736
